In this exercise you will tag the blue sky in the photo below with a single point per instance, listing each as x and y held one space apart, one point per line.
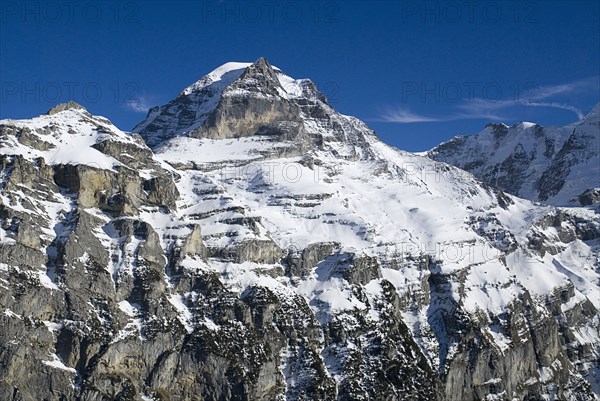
416 72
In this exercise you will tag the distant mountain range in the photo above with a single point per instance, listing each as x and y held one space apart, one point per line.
555 165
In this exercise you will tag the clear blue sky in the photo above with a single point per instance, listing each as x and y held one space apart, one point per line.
416 72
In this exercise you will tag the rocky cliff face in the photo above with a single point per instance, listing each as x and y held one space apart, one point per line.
554 165
270 248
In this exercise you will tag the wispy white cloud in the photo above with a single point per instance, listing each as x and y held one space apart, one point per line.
482 108
556 105
138 105
403 115
541 96
544 92
479 108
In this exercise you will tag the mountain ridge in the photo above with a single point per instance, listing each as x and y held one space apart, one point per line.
548 164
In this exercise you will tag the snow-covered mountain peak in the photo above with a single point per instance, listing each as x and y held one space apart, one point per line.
258 79
229 72
226 74
525 125
238 100
70 105
67 134
291 174
260 69
496 125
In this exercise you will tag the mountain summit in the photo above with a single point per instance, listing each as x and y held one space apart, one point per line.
234 100
278 115
266 247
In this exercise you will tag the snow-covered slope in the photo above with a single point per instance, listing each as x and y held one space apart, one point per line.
553 165
271 248
64 137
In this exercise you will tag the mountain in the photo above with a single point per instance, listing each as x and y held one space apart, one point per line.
555 165
234 98
249 242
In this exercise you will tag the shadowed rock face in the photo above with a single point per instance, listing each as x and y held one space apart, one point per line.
589 196
133 274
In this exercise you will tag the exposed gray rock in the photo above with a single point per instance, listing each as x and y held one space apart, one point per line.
70 105
589 197
301 262
258 251
359 270
192 244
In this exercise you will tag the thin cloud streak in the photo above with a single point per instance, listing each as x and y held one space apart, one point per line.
479 108
404 116
545 92
556 105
